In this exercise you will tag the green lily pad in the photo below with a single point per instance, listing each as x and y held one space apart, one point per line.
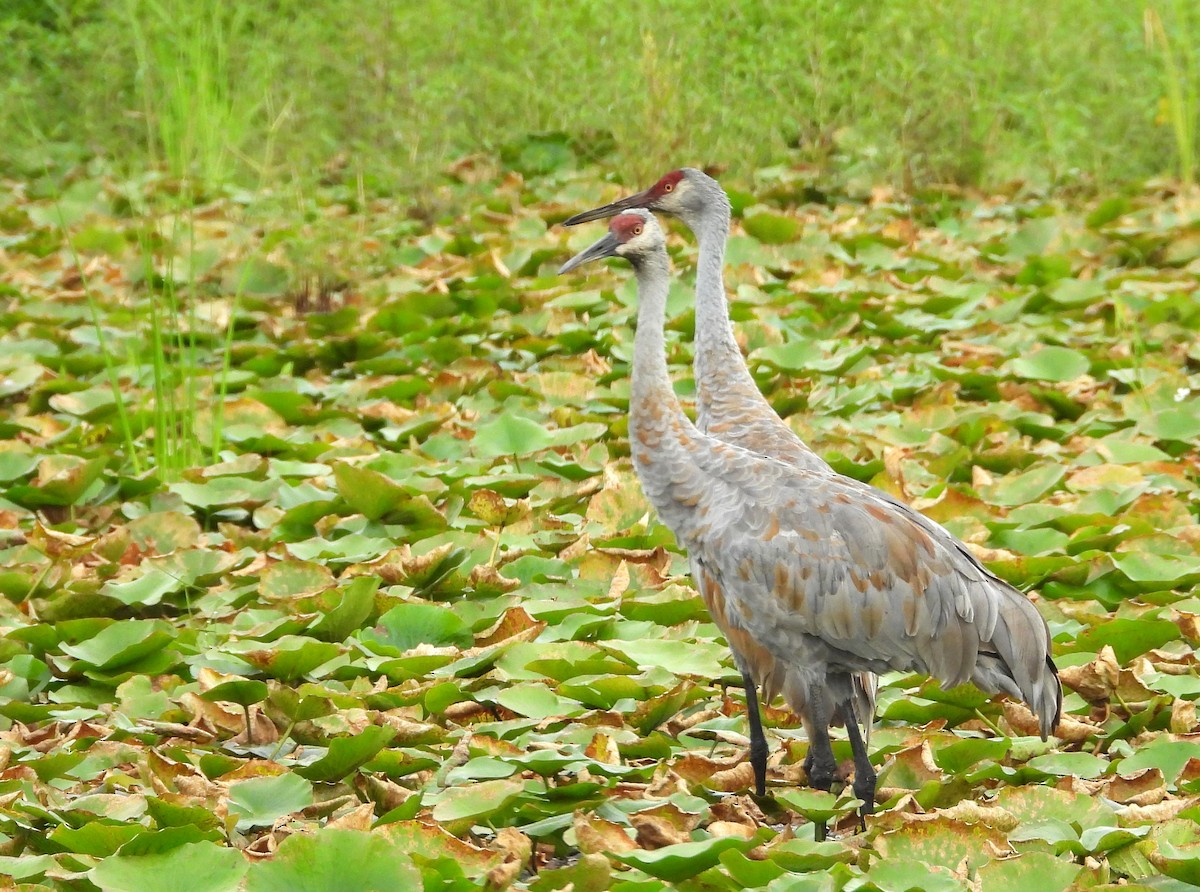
121 643
347 754
334 859
242 691
195 867
260 801
511 434
1051 364
675 863
475 801
407 625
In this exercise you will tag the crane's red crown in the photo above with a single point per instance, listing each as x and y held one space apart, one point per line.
626 226
666 185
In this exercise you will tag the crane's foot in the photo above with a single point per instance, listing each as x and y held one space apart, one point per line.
864 789
822 775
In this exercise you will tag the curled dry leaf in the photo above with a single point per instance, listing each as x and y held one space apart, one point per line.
408 731
970 812
655 831
603 749
514 623
512 844
489 578
740 777
385 793
698 769
358 818
1074 730
503 874
620 582
1019 718
466 711
1183 717
677 724
597 836
740 809
264 847
1095 681
1157 812
1144 787
730 828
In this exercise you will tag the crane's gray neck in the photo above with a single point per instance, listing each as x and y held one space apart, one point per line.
664 443
651 388
719 365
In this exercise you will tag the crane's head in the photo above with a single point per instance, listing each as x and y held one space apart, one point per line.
634 235
686 193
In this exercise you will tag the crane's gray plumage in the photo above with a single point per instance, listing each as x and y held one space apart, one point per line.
831 576
731 408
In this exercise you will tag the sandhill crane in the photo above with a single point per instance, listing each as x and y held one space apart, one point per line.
730 407
831 576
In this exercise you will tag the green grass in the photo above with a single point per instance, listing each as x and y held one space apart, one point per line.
390 93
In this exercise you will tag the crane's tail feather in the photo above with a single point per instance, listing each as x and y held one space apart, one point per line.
865 685
1017 661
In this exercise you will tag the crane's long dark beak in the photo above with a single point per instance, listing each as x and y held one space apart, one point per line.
640 200
605 247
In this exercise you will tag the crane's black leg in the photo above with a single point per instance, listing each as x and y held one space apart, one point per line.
758 739
864 771
819 763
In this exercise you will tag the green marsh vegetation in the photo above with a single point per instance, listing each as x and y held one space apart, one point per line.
321 558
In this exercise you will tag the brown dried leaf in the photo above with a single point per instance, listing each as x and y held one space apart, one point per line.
1072 729
360 818
487 577
503 875
1144 787
1020 719
1183 717
619 583
603 749
1158 812
513 844
676 725
409 731
698 769
731 780
597 836
738 809
970 812
730 828
655 832
1095 681
513 623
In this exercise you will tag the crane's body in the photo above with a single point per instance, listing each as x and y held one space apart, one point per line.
830 576
731 408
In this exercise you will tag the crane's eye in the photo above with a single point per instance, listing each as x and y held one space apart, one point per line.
637 230
670 187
